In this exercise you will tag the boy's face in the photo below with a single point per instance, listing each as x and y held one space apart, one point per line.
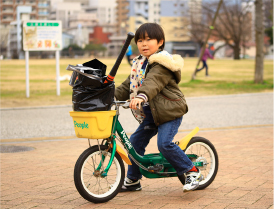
148 46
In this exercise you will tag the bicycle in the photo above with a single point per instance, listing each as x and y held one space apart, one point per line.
99 171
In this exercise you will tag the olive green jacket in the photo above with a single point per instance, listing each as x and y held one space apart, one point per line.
160 86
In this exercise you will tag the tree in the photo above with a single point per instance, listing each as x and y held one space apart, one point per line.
268 11
233 23
73 47
73 50
208 35
95 48
259 27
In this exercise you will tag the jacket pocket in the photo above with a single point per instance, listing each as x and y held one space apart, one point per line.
166 109
178 99
171 94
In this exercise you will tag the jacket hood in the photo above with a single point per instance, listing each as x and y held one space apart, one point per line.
173 62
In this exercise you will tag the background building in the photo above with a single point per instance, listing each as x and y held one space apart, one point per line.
40 10
8 8
106 11
121 17
138 14
174 17
63 11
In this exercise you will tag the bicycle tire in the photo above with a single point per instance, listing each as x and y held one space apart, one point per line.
209 156
85 178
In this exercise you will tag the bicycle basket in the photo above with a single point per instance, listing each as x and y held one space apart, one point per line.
93 125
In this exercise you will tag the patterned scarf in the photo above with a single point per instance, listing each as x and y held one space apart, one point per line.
136 79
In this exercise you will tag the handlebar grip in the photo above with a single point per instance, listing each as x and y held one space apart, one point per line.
115 67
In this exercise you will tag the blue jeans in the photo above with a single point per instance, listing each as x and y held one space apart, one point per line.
172 152
204 66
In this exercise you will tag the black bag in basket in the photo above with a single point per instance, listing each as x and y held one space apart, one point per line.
89 91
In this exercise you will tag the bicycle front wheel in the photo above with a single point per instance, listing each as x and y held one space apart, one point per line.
88 179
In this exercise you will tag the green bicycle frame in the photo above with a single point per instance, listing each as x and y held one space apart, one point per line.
144 161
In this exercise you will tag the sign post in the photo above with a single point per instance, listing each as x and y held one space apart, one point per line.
27 73
57 73
42 35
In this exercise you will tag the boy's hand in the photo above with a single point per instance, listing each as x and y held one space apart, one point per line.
136 103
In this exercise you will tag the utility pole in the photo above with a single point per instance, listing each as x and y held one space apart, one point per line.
208 35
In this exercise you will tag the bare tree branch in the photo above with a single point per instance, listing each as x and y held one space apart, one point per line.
218 48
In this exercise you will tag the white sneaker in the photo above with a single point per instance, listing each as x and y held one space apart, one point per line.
192 180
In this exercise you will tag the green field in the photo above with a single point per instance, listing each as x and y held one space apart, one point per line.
226 77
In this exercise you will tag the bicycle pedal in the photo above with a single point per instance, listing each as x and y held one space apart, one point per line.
156 168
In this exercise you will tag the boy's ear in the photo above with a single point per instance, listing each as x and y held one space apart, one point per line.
161 43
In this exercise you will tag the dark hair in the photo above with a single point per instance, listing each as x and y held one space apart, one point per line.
153 30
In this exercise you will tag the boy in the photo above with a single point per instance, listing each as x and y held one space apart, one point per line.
154 81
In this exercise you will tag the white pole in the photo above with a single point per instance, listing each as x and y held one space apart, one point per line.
27 73
57 74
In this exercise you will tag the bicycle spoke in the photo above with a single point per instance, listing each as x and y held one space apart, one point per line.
93 163
89 170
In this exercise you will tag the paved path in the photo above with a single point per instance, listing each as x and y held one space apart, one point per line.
43 178
204 112
239 126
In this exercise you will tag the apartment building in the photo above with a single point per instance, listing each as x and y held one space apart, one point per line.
172 15
121 17
8 15
40 10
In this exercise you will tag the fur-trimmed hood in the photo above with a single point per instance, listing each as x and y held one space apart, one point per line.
172 62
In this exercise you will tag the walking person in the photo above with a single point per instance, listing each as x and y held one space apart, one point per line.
206 55
154 79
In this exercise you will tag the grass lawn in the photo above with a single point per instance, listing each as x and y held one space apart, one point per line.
226 77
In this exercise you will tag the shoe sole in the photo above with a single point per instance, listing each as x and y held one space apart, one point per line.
130 190
188 190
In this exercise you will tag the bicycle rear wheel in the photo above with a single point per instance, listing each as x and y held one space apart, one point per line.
207 154
88 179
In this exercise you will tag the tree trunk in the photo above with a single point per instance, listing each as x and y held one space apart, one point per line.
237 51
259 28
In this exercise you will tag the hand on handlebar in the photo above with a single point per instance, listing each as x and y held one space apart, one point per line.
136 103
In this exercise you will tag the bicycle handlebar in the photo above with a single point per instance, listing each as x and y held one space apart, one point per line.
124 104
